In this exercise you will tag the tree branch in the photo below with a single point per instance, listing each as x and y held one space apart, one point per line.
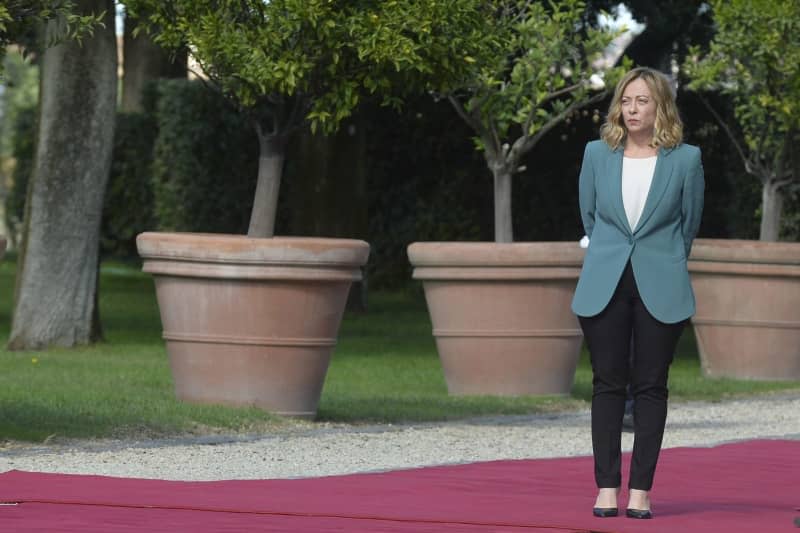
203 76
473 122
784 182
546 99
497 143
560 92
762 140
523 11
525 143
747 164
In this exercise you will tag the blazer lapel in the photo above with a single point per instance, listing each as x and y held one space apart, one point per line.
614 172
661 177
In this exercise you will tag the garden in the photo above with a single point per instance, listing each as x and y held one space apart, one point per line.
255 220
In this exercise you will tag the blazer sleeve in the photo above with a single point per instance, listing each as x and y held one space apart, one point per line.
692 205
586 193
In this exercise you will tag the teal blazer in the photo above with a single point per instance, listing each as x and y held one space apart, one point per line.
659 246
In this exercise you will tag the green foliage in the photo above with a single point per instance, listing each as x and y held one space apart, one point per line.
18 95
20 90
440 194
542 65
385 369
732 196
22 149
120 388
128 204
287 60
19 20
204 161
791 221
543 69
422 185
755 59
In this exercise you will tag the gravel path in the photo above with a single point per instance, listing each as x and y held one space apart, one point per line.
319 450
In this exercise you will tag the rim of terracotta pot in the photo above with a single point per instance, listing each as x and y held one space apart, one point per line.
240 249
422 254
223 256
746 251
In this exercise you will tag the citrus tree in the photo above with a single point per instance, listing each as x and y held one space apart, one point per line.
548 64
754 59
288 63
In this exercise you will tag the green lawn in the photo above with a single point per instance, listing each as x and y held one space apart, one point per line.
385 369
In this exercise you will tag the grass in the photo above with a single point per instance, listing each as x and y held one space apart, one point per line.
118 388
385 370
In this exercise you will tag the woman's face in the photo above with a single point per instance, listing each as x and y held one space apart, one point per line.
638 107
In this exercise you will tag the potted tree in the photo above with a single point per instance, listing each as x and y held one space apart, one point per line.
252 320
748 292
501 310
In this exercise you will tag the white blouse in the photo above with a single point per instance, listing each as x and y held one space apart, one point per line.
637 175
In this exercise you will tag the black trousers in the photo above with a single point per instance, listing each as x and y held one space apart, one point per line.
608 336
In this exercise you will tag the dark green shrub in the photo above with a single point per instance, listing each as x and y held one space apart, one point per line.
791 214
425 183
128 206
205 161
429 183
23 146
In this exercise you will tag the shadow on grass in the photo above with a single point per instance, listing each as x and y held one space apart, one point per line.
35 422
398 409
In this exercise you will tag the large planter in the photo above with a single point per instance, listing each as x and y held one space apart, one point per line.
251 322
501 314
748 308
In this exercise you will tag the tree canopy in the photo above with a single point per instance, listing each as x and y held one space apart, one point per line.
754 58
19 20
288 62
284 61
548 63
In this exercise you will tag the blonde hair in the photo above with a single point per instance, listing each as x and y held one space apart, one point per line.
668 130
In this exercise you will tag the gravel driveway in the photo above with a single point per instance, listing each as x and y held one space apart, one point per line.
322 449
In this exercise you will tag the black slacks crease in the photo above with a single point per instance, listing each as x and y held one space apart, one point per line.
608 337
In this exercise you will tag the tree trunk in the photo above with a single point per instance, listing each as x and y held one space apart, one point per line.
57 273
771 209
272 152
143 61
503 228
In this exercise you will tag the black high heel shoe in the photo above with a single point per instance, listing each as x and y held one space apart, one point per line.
605 512
639 513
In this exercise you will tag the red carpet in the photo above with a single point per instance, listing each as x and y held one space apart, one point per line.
748 487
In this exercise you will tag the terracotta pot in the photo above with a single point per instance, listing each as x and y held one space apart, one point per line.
501 314
748 308
251 322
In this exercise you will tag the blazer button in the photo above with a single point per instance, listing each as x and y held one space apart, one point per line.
630 240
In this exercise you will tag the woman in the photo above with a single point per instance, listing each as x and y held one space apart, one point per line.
641 199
